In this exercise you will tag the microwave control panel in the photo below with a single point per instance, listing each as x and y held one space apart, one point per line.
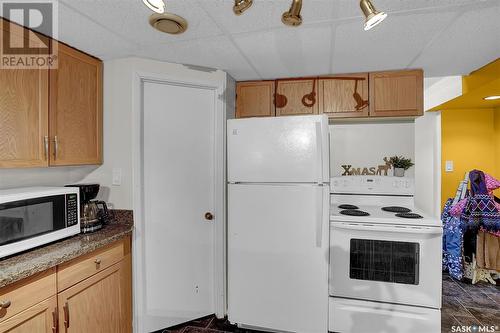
71 210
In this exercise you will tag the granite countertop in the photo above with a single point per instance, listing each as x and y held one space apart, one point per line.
23 265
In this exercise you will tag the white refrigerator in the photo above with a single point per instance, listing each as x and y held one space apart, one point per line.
278 223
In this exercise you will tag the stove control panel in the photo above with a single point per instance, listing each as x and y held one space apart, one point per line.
383 185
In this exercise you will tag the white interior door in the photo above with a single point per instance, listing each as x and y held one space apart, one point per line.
178 179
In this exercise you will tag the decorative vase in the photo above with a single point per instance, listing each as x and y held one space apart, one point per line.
399 172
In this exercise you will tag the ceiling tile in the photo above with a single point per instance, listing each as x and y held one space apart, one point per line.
86 35
129 19
471 42
215 52
350 8
265 14
391 45
287 52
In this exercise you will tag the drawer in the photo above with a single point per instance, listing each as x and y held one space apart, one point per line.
79 269
28 292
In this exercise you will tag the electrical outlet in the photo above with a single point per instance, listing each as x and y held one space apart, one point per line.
117 177
448 166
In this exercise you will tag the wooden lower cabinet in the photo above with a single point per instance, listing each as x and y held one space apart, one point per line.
95 304
39 318
99 301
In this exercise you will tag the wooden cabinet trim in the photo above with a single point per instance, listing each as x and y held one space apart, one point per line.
25 140
28 292
415 110
246 109
294 90
79 269
66 308
25 320
61 159
362 89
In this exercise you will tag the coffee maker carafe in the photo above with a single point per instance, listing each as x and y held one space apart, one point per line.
92 217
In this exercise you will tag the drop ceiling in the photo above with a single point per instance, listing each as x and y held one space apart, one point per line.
444 37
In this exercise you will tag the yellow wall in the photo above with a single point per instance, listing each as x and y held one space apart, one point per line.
471 139
497 143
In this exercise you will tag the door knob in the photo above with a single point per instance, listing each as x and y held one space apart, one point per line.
209 216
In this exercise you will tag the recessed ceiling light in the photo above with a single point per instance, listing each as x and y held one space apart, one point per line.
373 16
157 6
492 98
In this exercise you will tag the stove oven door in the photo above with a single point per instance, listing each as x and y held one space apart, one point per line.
386 263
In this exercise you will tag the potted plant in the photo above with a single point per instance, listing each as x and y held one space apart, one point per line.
400 164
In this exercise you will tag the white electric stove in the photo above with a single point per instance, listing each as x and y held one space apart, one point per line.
385 258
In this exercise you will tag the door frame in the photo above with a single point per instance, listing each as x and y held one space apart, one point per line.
220 116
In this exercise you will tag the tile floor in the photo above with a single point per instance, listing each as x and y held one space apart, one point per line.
463 304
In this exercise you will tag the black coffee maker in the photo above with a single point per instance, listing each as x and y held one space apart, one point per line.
94 214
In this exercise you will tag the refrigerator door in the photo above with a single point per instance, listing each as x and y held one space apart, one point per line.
279 150
278 257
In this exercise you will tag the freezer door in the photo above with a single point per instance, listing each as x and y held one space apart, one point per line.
282 149
278 257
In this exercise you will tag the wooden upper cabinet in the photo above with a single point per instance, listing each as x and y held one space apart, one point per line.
396 93
254 99
344 96
23 110
76 109
296 93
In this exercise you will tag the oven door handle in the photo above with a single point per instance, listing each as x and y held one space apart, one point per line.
402 229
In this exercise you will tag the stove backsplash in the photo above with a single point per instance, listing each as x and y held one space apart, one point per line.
364 145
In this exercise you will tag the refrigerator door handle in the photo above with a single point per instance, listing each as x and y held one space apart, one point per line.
319 216
319 151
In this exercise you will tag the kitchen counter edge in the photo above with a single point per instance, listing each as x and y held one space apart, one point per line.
26 264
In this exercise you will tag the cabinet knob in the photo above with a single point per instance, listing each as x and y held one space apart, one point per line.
4 304
209 216
97 261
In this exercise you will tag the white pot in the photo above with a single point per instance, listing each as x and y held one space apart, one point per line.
399 172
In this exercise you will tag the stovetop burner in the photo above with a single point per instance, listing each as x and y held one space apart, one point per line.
353 212
409 216
396 209
344 206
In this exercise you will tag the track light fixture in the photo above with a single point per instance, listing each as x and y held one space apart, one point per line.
292 16
241 5
373 16
157 6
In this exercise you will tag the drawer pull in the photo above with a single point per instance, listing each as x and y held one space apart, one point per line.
97 261
66 315
55 322
4 304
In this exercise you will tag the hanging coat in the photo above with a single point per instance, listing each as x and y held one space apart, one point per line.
453 231
480 209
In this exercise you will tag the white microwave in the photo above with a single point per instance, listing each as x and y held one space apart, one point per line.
31 217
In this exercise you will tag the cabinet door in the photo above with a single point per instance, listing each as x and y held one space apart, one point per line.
23 110
76 109
397 93
344 96
295 91
96 304
254 99
41 317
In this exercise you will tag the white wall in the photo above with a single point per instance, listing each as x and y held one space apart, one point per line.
365 144
57 176
428 157
119 79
